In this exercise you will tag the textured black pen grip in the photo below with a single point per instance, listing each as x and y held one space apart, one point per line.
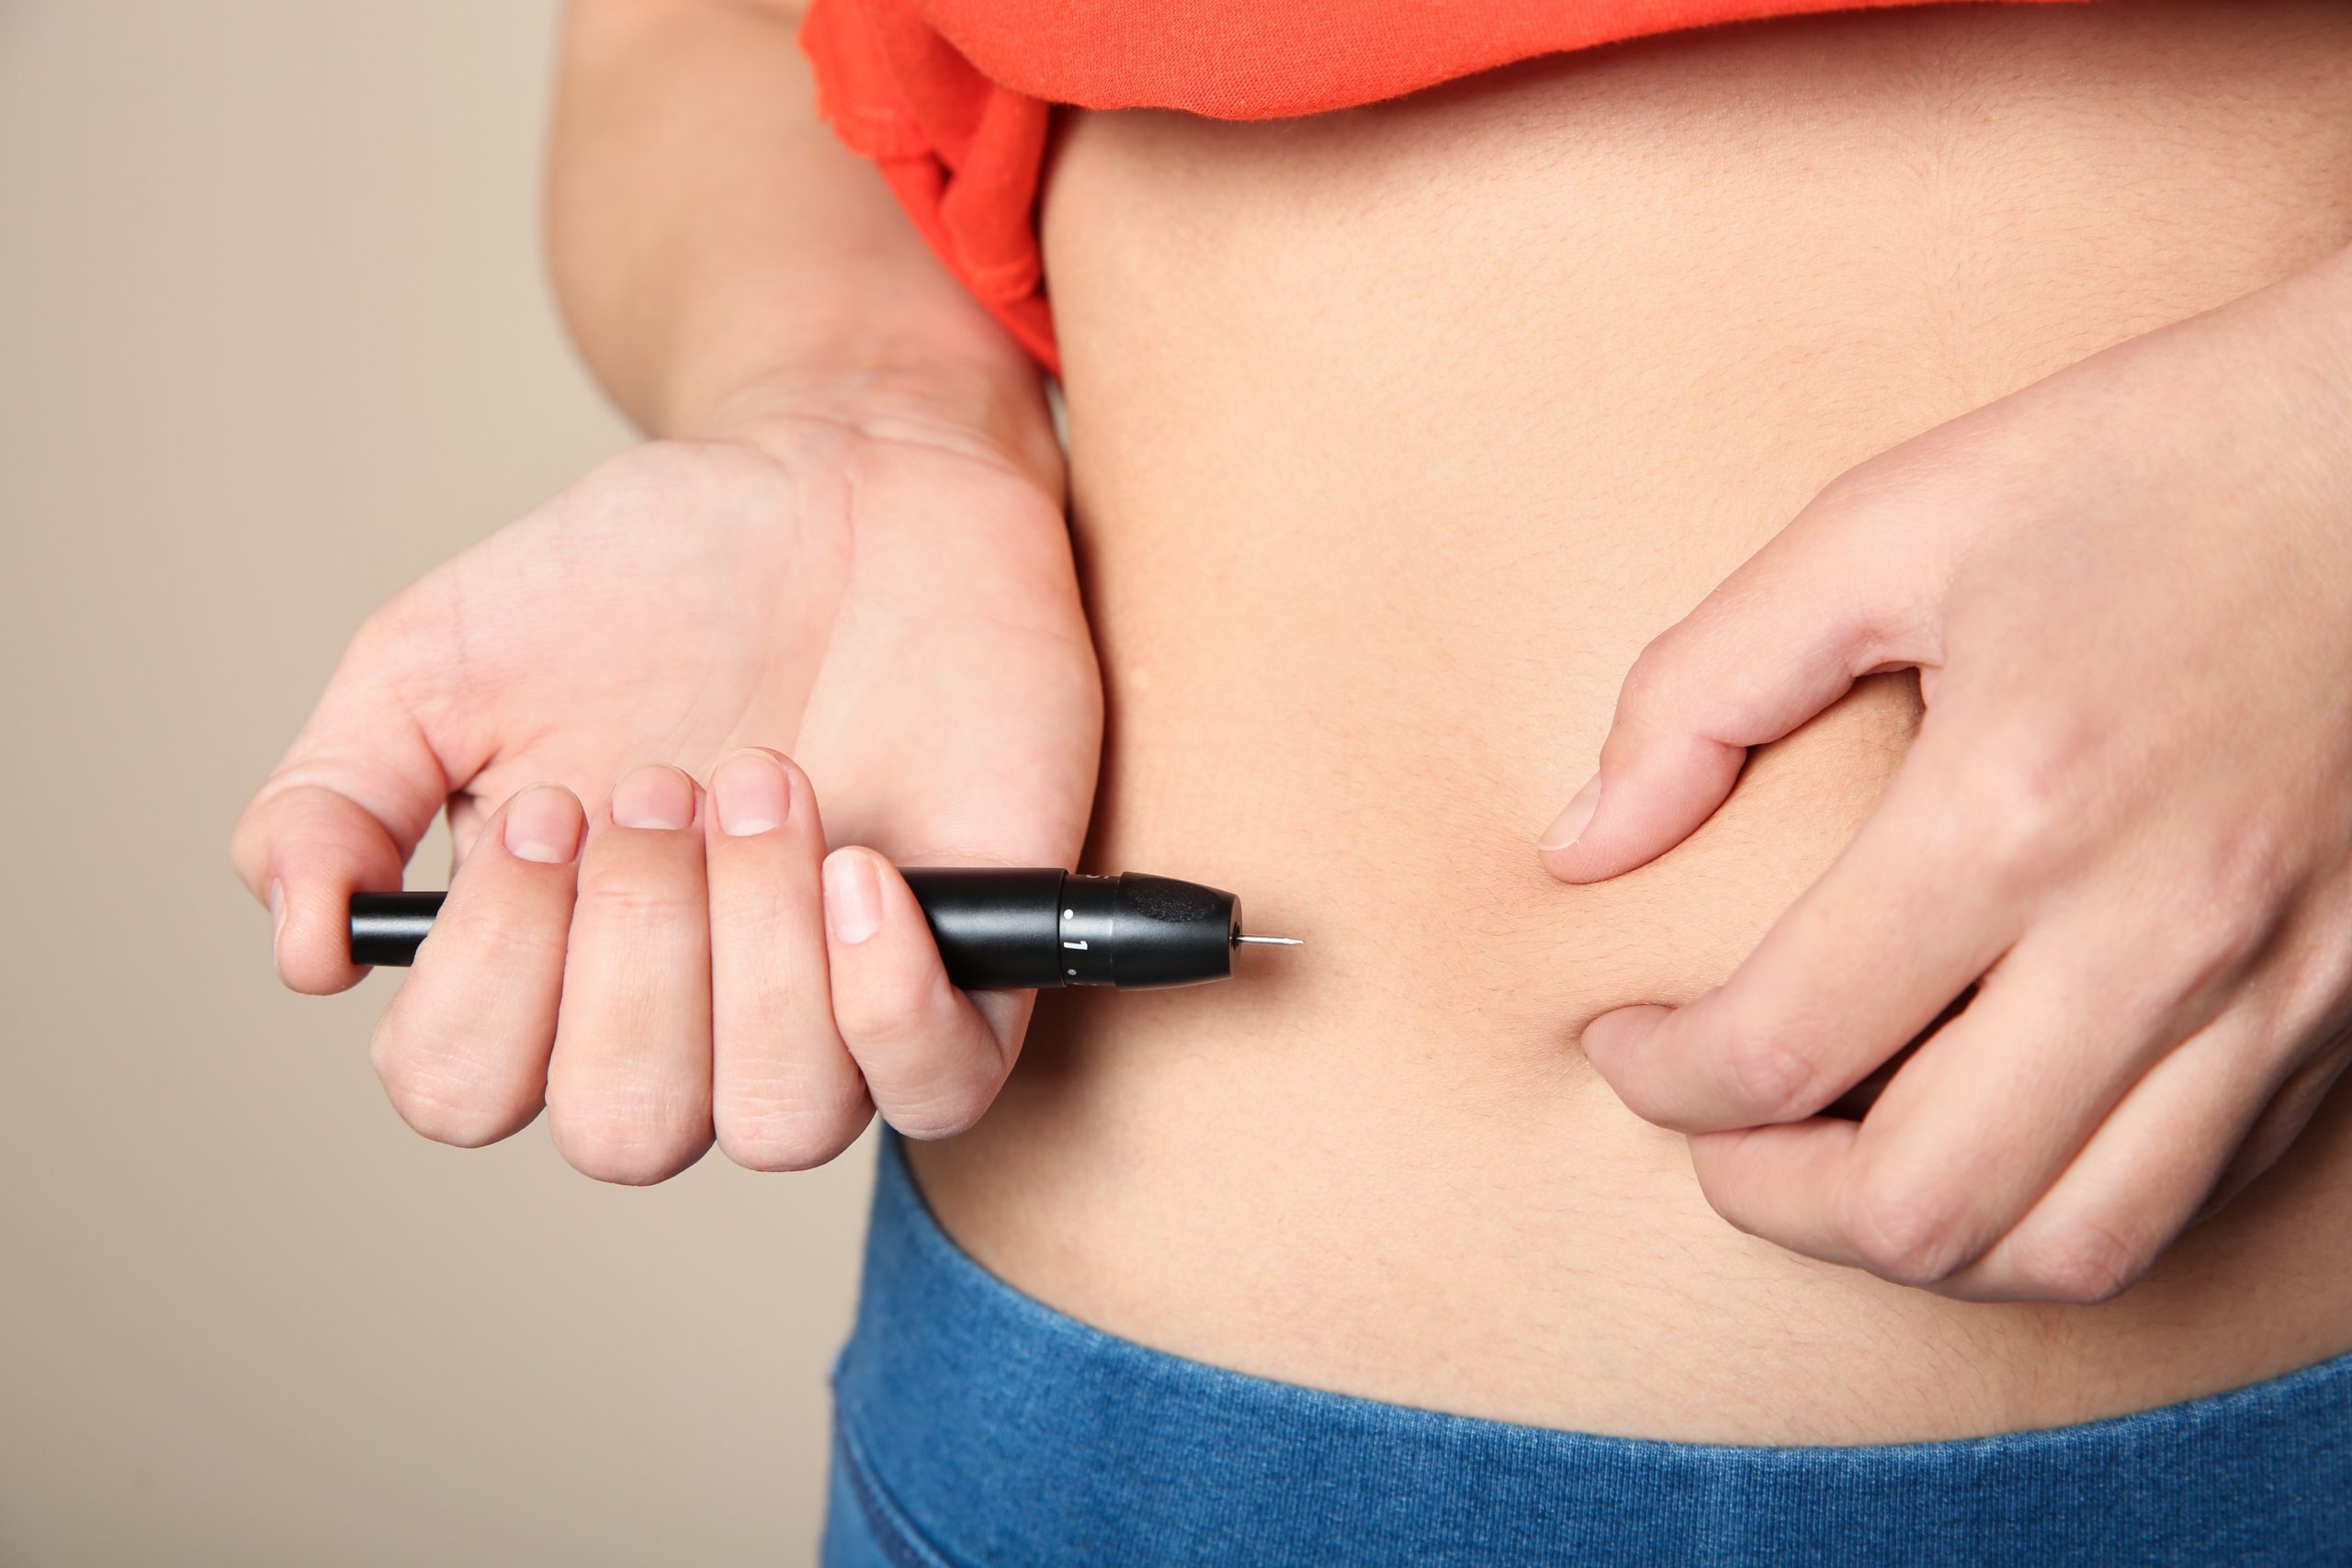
997 929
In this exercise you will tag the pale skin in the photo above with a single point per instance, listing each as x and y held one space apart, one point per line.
841 575
2125 814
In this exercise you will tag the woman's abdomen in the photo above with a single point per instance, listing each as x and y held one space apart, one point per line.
1395 435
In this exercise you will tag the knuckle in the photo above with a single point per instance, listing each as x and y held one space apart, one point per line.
928 1079
751 903
632 1134
1654 681
2246 888
2251 868
494 931
251 838
763 1132
2080 1262
2315 1003
890 1015
1904 1230
785 1142
625 1153
1775 1081
2022 820
2034 785
2209 944
1895 495
636 901
393 646
1857 492
461 1109
382 634
946 1112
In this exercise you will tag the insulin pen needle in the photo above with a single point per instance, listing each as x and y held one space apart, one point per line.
1274 941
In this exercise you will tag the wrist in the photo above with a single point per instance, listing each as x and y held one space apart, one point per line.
995 410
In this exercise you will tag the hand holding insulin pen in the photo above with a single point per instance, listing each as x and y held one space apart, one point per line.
996 929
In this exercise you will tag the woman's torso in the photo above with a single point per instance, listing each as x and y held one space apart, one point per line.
1395 433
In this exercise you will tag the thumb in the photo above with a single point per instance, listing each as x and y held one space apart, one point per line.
340 813
932 1060
1834 597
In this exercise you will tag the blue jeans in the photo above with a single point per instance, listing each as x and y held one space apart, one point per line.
975 1424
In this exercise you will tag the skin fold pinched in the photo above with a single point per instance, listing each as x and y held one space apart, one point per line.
2124 820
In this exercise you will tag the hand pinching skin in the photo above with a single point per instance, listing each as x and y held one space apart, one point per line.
2126 821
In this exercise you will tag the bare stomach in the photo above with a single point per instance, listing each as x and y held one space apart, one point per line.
1396 433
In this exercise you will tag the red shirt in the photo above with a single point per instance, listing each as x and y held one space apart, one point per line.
951 98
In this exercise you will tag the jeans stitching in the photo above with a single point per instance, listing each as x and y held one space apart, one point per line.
884 1520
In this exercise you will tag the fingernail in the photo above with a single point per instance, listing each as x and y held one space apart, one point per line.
277 917
751 795
654 798
1570 825
544 824
852 896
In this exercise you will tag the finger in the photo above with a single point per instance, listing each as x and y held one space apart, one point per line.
1870 955
2282 1122
629 1089
784 1092
340 813
2134 1186
306 849
463 1050
929 1058
1969 1136
1776 642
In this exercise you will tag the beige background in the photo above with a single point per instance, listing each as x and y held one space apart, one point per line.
274 338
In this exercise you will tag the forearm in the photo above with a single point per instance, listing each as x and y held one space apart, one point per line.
712 239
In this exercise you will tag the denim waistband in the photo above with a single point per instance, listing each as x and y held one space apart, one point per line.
975 1424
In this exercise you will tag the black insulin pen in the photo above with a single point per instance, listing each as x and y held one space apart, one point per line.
996 929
